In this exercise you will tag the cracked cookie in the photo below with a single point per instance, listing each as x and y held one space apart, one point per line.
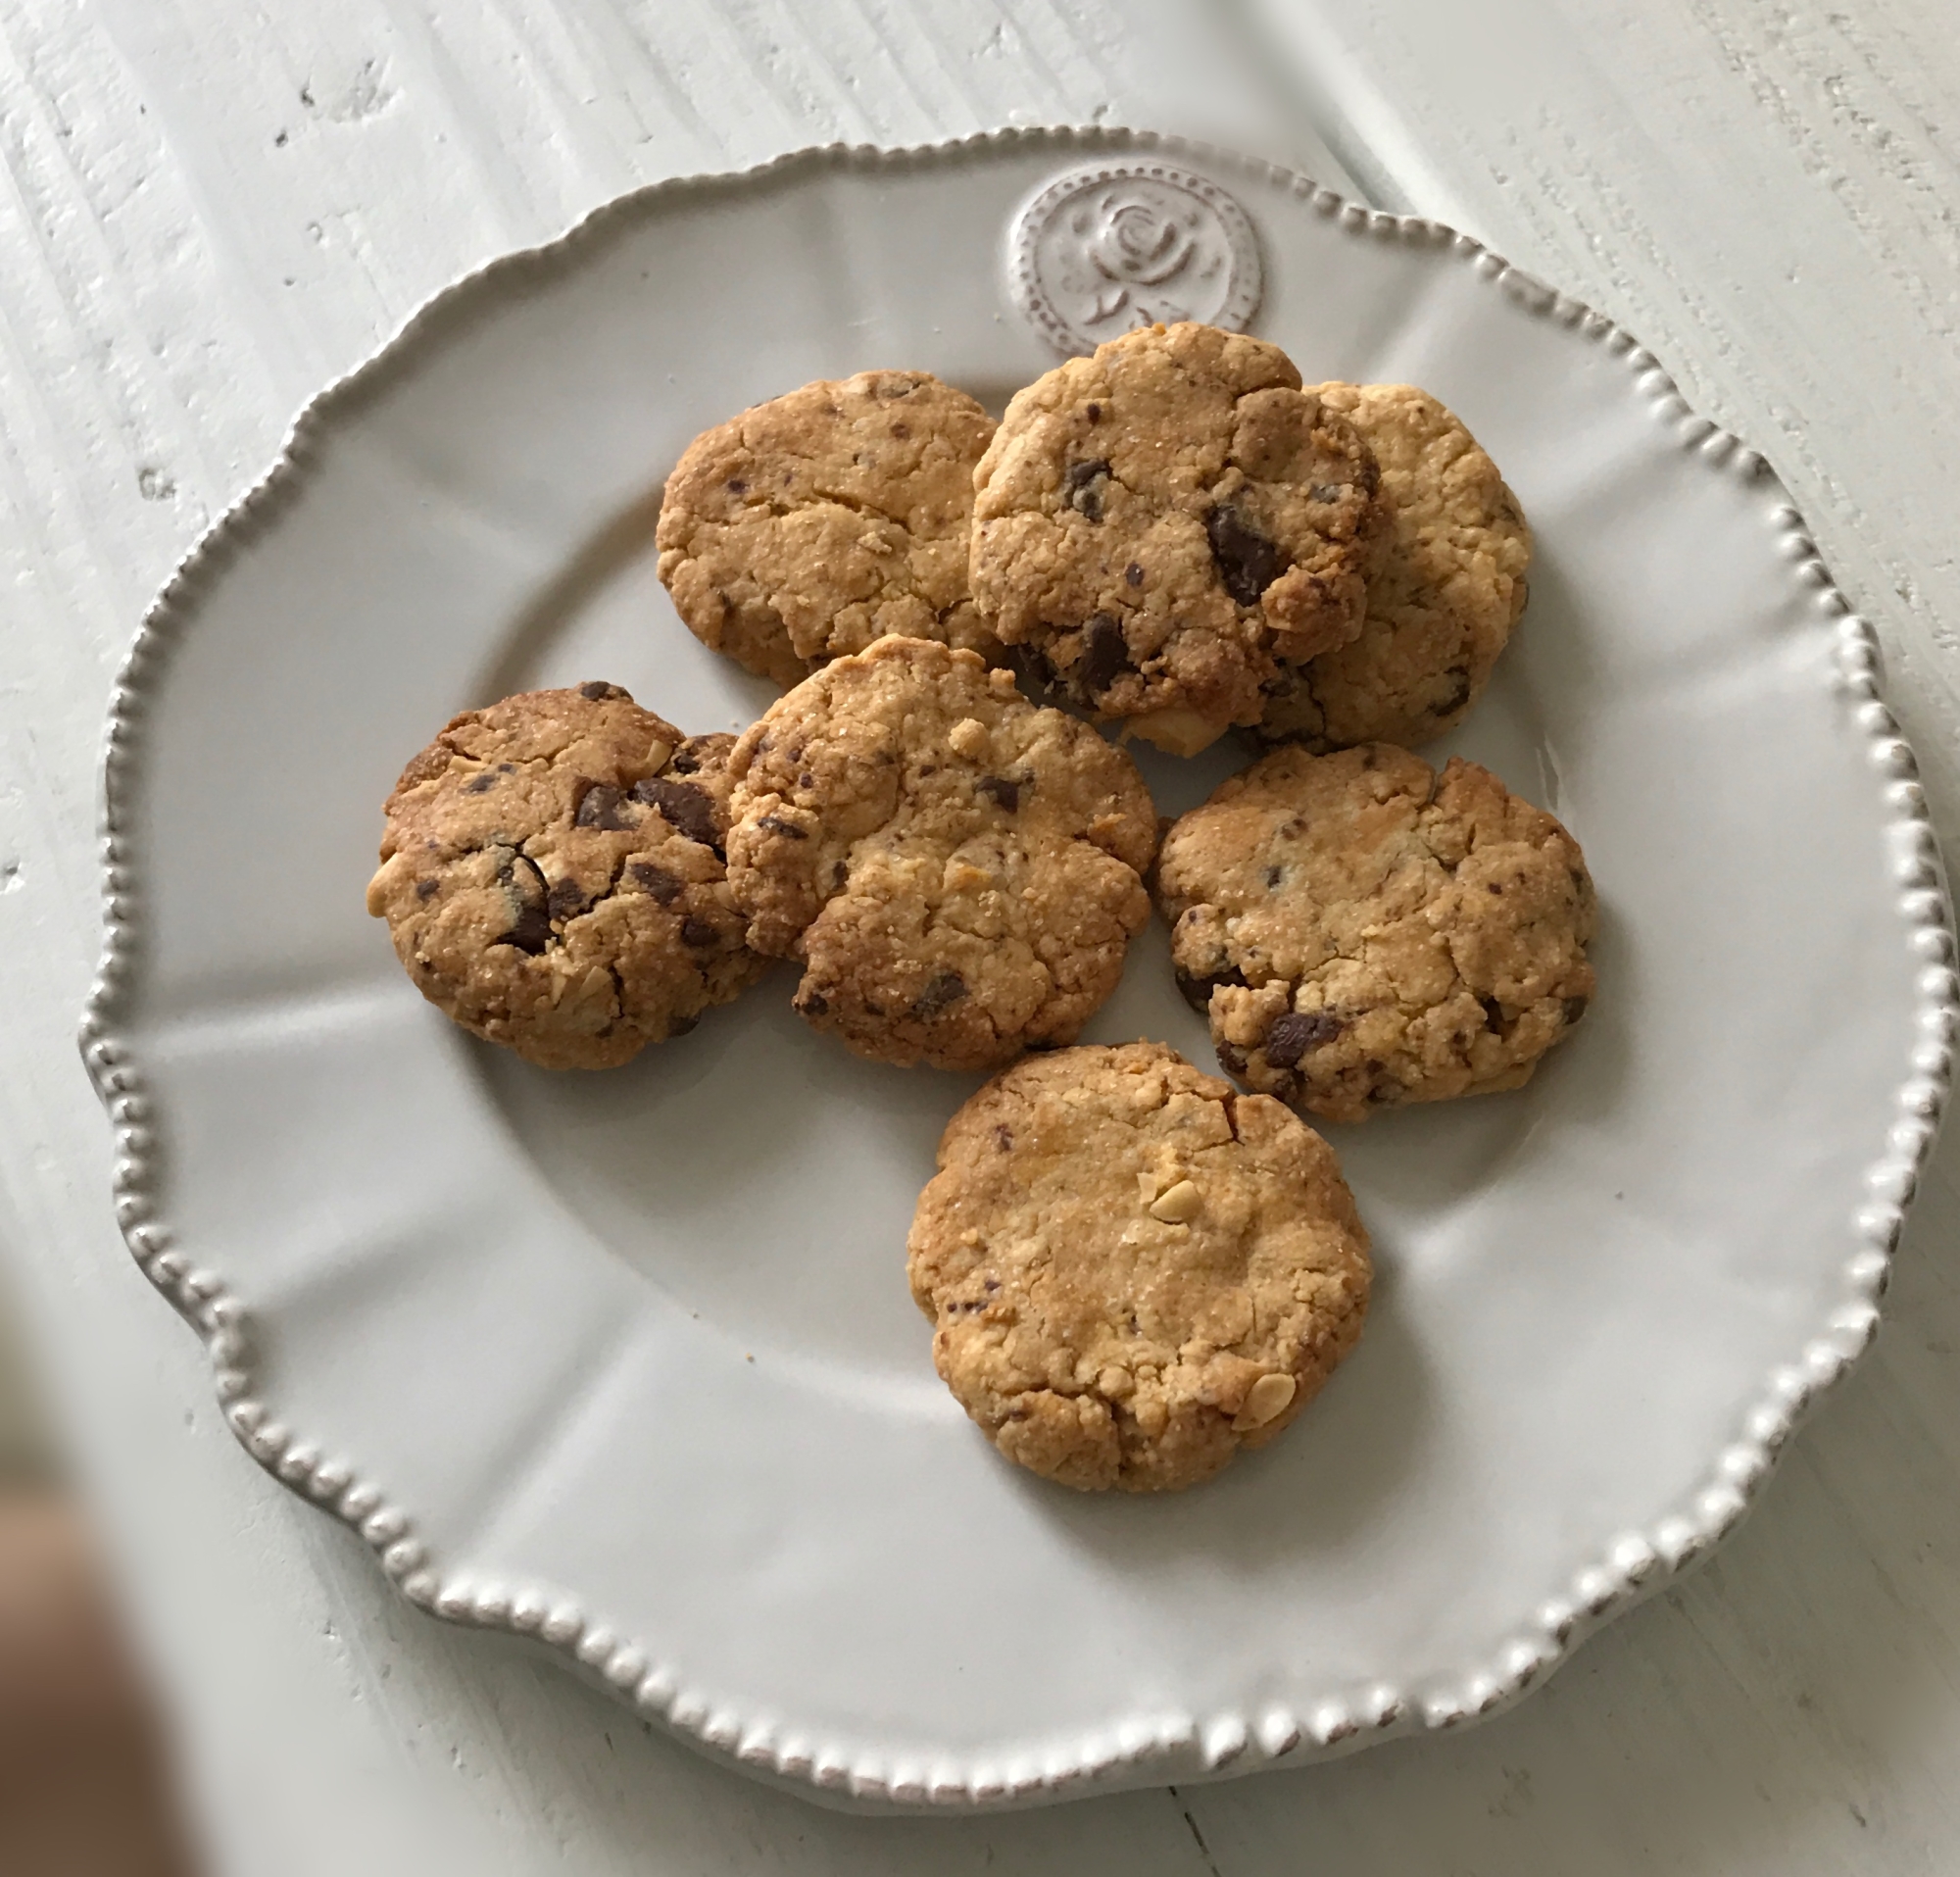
1362 931
552 877
816 522
1160 524
1132 1270
958 870
1450 587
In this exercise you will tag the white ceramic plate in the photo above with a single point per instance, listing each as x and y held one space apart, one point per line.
627 1361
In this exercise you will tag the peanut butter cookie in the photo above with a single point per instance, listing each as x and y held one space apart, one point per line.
1132 1272
551 876
1161 523
811 524
1362 931
957 870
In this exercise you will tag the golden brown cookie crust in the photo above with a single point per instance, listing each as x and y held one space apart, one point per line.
815 523
1449 590
958 869
552 877
1163 520
1362 931
1132 1270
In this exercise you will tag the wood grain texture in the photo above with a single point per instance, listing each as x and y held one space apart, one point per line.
208 208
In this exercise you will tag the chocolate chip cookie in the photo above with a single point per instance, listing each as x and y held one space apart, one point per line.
1362 931
551 876
957 870
1161 523
1133 1271
1443 602
810 526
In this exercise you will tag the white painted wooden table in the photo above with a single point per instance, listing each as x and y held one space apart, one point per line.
211 207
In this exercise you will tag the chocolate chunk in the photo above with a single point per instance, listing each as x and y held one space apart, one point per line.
946 988
1133 575
787 829
565 901
531 930
664 887
480 785
1104 653
1196 991
1004 790
1003 1139
687 806
1291 1036
699 932
814 1003
1083 486
428 889
599 808
1575 1007
1248 563
595 691
684 761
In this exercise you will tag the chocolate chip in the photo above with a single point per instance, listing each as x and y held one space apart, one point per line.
787 829
687 806
1575 1007
735 486
1274 875
1104 653
596 691
664 887
1083 486
506 768
1004 790
684 761
531 930
946 988
428 889
900 431
480 785
565 901
1003 1139
806 780
682 1025
814 1003
598 806
1095 413
1248 563
1291 1036
840 872
699 932
1492 886
1133 575
1196 991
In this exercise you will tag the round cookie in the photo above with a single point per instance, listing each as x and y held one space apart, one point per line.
1362 931
1133 1271
1450 587
1162 522
552 879
958 872
816 522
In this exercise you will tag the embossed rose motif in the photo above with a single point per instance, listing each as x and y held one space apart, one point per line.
1140 244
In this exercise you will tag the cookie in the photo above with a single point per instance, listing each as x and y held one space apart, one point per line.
1161 522
553 879
812 524
957 870
1362 931
1133 1271
1443 602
